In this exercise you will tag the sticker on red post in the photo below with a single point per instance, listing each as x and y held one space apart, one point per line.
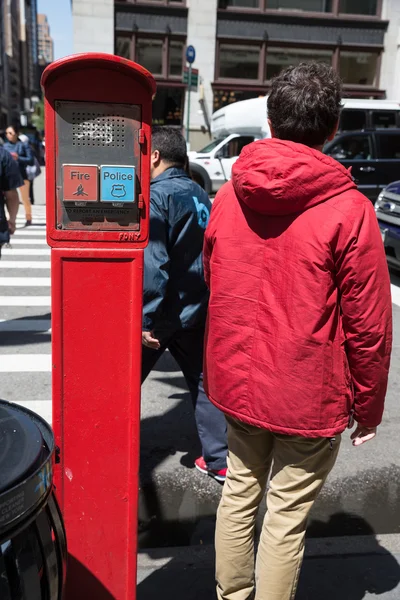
80 183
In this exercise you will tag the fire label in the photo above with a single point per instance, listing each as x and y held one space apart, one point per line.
117 184
81 183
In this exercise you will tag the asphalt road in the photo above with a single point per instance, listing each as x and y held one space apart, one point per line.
178 504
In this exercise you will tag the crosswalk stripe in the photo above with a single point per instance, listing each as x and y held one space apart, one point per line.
25 281
24 264
25 301
29 232
25 363
32 228
30 242
42 325
25 252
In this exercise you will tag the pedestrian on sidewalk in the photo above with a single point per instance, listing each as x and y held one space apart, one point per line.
10 180
175 294
22 154
299 330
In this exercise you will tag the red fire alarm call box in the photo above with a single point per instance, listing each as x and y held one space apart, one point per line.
98 146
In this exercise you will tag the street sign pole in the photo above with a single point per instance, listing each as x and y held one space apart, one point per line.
188 103
190 58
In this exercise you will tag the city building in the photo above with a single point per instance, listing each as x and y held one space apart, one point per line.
30 82
45 41
19 78
241 44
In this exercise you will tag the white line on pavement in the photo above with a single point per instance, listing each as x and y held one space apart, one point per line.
25 363
25 281
42 407
28 231
25 252
42 325
24 264
19 242
25 301
21 228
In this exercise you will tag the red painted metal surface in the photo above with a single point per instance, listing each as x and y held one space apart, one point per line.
96 327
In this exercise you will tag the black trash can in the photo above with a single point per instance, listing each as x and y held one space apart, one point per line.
32 538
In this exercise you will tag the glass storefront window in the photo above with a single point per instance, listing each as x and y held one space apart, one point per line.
301 5
175 58
280 58
167 106
358 67
238 62
123 46
225 97
358 7
149 54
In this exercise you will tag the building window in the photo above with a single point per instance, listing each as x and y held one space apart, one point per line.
301 5
358 7
280 58
162 55
123 46
239 4
359 68
238 62
175 58
149 54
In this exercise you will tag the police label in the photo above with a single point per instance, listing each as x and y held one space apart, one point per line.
117 184
80 183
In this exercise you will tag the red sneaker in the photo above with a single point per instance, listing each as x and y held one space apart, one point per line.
202 466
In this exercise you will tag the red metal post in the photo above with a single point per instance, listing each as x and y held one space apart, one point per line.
98 112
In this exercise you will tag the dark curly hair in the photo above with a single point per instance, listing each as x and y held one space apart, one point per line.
304 103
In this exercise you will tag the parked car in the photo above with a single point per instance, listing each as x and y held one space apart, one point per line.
387 210
238 124
373 155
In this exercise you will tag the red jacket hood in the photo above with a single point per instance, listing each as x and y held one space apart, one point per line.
278 177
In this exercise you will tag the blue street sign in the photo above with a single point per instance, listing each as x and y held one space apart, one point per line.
117 184
190 54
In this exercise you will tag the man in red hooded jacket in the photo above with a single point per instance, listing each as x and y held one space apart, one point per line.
299 330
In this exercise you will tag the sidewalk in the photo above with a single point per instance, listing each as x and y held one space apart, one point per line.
343 568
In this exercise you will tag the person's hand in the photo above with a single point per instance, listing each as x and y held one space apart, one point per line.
363 434
14 155
11 226
149 341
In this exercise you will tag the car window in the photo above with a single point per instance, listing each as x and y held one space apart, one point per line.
351 148
384 119
350 120
389 146
234 147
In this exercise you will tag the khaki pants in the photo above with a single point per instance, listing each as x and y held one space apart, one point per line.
300 467
26 201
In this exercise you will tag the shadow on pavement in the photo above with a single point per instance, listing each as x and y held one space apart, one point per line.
347 575
82 585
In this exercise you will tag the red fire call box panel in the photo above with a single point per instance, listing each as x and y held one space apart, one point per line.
98 147
81 182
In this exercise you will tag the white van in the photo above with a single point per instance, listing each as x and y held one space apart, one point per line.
239 124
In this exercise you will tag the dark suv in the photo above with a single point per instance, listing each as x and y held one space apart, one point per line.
373 155
387 210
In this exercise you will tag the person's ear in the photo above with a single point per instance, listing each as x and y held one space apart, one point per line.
271 128
155 158
334 132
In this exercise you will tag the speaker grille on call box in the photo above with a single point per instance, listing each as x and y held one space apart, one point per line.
98 129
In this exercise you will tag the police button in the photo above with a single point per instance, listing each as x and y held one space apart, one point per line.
117 183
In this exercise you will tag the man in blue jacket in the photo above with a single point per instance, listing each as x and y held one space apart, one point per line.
175 294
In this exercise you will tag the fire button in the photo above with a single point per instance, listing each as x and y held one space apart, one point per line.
81 183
